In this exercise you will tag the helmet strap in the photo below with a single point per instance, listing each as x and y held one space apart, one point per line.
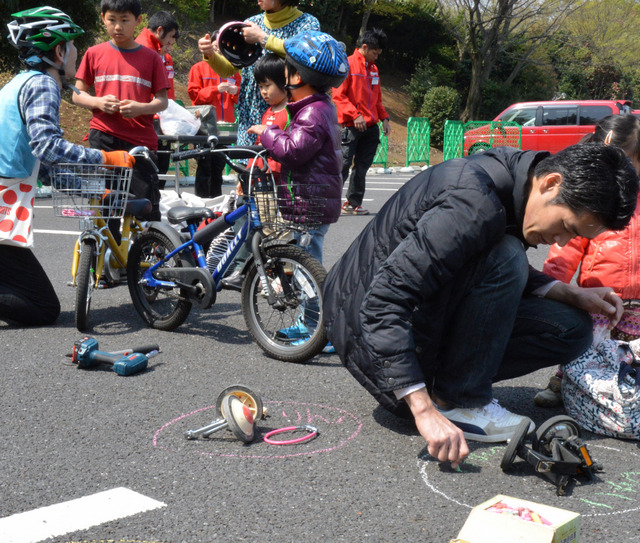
62 69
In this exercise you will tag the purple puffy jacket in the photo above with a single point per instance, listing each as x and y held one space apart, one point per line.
311 157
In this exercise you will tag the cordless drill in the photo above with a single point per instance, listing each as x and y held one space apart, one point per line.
128 362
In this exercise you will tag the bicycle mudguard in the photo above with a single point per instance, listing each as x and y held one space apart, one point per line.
167 230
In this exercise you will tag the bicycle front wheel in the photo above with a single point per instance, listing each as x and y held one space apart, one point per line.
160 307
86 283
292 328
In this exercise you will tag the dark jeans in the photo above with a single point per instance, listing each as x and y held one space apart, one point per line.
358 148
144 182
491 332
209 176
26 294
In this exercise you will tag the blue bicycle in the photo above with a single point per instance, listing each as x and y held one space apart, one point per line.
169 272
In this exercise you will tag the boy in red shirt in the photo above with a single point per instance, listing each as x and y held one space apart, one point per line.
359 104
130 86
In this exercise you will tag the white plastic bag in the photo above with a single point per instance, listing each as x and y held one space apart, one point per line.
177 121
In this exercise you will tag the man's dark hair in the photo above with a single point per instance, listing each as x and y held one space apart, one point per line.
597 179
374 39
121 6
165 20
270 66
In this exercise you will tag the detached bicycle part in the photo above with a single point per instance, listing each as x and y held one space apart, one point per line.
557 453
239 420
247 396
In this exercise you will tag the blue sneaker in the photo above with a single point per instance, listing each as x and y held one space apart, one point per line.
297 331
328 348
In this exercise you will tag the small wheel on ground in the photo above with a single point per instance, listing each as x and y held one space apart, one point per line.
247 396
560 427
514 444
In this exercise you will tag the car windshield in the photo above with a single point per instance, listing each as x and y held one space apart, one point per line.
523 116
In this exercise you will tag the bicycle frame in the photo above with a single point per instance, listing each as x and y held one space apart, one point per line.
99 231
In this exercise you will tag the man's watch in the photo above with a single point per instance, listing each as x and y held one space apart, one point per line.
263 43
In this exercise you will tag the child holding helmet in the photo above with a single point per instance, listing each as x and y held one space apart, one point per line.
309 148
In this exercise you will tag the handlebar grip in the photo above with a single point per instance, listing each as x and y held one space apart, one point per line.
143 349
189 153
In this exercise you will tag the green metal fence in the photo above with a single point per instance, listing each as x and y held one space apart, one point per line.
418 140
478 136
381 153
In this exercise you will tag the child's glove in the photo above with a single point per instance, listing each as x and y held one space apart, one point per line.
118 158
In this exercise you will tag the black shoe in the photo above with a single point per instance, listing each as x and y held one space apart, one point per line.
233 282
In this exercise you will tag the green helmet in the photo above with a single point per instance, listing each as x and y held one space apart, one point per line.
38 30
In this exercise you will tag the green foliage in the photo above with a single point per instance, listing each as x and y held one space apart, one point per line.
440 104
420 82
188 10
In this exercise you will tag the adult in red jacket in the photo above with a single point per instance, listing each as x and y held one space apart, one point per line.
206 87
359 104
611 259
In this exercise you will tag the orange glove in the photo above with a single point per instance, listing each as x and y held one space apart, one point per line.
118 158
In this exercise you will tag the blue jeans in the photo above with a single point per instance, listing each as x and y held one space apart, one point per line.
311 310
491 332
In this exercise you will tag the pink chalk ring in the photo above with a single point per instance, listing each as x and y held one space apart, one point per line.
313 432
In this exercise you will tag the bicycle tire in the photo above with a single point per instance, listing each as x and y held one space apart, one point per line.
85 283
267 323
161 308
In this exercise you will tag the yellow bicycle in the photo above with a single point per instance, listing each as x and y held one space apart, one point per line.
98 196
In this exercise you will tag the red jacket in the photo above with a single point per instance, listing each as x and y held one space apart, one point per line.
203 90
611 259
148 39
360 93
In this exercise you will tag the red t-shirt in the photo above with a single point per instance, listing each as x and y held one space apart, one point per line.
129 74
281 120
148 39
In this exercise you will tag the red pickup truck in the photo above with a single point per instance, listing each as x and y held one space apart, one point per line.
546 126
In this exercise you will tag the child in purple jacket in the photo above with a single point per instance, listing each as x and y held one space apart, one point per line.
309 148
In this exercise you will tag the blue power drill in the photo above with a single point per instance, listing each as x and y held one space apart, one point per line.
128 362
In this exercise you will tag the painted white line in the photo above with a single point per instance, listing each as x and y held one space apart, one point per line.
74 515
60 232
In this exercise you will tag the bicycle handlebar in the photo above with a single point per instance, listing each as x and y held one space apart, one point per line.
143 152
247 152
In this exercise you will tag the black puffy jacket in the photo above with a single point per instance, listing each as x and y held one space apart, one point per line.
388 278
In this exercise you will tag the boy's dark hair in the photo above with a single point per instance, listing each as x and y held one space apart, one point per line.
620 130
121 6
165 20
319 86
374 38
270 66
597 179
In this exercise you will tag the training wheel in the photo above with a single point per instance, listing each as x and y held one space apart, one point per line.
239 417
560 427
247 396
514 444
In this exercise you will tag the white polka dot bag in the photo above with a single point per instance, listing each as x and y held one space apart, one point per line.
601 389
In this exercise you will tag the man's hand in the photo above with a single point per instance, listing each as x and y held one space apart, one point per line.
386 127
601 300
360 124
118 158
206 45
444 439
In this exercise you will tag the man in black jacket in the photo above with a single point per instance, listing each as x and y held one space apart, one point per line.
435 300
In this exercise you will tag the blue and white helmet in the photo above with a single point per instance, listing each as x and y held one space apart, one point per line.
320 60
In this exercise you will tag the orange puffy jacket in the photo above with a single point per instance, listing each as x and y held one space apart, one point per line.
611 259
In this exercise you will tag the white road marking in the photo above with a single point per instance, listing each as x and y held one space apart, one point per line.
74 515
62 232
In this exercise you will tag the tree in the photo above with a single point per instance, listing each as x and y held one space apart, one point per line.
485 29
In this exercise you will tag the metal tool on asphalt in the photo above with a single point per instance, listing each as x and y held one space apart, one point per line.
126 362
238 419
557 452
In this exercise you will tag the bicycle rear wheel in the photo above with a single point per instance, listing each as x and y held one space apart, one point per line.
160 307
86 283
292 329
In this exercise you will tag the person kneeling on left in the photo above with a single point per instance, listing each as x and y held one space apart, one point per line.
33 140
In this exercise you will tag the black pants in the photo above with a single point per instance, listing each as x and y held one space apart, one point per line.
144 182
358 148
209 175
27 296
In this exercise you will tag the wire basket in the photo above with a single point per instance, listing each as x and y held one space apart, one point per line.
289 207
88 190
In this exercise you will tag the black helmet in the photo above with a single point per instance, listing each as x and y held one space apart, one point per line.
234 48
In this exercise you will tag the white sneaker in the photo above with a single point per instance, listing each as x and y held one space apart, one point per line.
490 424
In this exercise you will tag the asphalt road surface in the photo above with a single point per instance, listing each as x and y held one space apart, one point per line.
90 456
